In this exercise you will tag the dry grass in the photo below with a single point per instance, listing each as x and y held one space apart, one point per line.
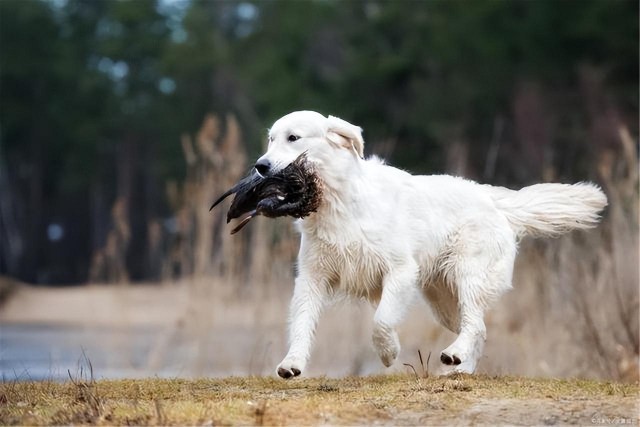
579 294
390 400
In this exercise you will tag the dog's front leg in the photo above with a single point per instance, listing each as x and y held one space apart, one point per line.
309 298
398 293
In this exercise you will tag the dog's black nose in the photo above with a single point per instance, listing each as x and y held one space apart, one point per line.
263 166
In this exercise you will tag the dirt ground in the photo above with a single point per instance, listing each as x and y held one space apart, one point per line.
378 400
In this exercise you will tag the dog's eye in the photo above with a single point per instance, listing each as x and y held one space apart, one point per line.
293 138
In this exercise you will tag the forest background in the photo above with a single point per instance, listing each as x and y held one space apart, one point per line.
120 121
95 96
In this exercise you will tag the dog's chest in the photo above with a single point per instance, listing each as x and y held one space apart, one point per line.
353 269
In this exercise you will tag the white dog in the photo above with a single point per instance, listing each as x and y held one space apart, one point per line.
391 237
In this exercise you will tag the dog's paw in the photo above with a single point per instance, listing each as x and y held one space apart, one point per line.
387 344
449 358
289 368
462 358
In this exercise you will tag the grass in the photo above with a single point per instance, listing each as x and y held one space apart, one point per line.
404 399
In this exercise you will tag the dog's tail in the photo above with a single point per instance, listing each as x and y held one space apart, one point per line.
551 209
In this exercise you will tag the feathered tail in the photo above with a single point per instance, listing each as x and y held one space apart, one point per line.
551 209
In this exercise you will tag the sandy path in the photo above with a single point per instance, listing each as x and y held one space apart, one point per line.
96 305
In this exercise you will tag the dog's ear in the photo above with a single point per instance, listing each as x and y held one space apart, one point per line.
346 135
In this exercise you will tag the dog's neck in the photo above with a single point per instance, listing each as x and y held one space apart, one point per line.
340 201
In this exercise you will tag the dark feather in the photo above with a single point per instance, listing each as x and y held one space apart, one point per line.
295 191
241 186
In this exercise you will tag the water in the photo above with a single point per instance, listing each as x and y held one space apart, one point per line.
37 352
45 352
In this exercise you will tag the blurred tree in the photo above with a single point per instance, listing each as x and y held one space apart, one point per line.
48 111
82 110
94 96
424 74
130 39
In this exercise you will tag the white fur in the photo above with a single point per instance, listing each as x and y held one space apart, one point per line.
391 237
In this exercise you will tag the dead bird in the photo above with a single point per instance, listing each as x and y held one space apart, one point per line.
293 191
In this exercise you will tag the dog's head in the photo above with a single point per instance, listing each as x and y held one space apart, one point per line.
308 154
323 139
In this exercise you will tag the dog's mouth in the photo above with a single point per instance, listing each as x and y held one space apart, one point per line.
294 191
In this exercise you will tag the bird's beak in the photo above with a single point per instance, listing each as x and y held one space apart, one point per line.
244 221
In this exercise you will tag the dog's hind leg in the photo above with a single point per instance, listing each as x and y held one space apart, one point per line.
465 319
467 349
474 269
398 293
479 279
